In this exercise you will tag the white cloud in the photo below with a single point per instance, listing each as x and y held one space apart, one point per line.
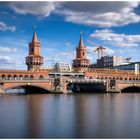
7 50
98 13
51 50
67 54
40 9
4 13
5 27
117 40
103 14
6 60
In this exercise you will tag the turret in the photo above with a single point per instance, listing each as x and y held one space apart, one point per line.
34 60
81 63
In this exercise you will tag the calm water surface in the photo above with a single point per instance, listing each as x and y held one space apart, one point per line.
70 116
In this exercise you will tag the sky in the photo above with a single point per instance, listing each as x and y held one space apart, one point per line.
113 24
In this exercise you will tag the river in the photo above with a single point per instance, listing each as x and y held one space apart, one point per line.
70 116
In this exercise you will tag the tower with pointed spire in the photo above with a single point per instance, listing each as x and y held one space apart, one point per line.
34 60
81 63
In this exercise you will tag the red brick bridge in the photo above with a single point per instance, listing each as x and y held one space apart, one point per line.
116 80
37 80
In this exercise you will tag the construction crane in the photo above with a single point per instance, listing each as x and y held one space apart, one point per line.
99 49
127 59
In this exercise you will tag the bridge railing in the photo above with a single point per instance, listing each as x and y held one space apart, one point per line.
87 81
26 80
128 81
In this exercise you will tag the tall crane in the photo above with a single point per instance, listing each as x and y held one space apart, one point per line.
99 49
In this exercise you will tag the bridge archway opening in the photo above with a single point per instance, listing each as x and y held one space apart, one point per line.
31 77
131 89
41 77
3 76
9 77
27 89
20 77
26 77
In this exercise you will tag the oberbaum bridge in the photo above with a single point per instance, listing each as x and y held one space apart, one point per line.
83 79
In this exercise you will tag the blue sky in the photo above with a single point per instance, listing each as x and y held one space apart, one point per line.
115 25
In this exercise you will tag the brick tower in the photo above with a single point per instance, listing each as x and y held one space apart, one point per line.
81 63
34 60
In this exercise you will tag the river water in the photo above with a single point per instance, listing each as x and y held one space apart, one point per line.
70 116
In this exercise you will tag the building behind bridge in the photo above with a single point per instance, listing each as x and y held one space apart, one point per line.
63 67
130 66
109 62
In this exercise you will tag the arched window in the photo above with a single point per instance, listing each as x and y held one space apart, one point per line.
20 77
32 49
9 77
26 77
31 77
3 76
15 77
83 53
41 77
90 77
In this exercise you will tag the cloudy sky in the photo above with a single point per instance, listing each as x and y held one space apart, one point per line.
115 25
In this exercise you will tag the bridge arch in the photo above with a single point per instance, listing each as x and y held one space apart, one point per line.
20 77
41 77
31 77
15 77
9 77
29 88
125 78
3 76
130 89
26 77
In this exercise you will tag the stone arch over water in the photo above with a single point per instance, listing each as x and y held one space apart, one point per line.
131 89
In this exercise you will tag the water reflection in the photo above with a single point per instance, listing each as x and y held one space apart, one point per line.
70 116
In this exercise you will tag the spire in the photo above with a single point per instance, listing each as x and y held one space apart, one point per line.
81 41
34 37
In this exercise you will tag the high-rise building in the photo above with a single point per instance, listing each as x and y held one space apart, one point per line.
34 60
81 63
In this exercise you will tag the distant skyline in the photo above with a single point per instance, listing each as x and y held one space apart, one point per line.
115 25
